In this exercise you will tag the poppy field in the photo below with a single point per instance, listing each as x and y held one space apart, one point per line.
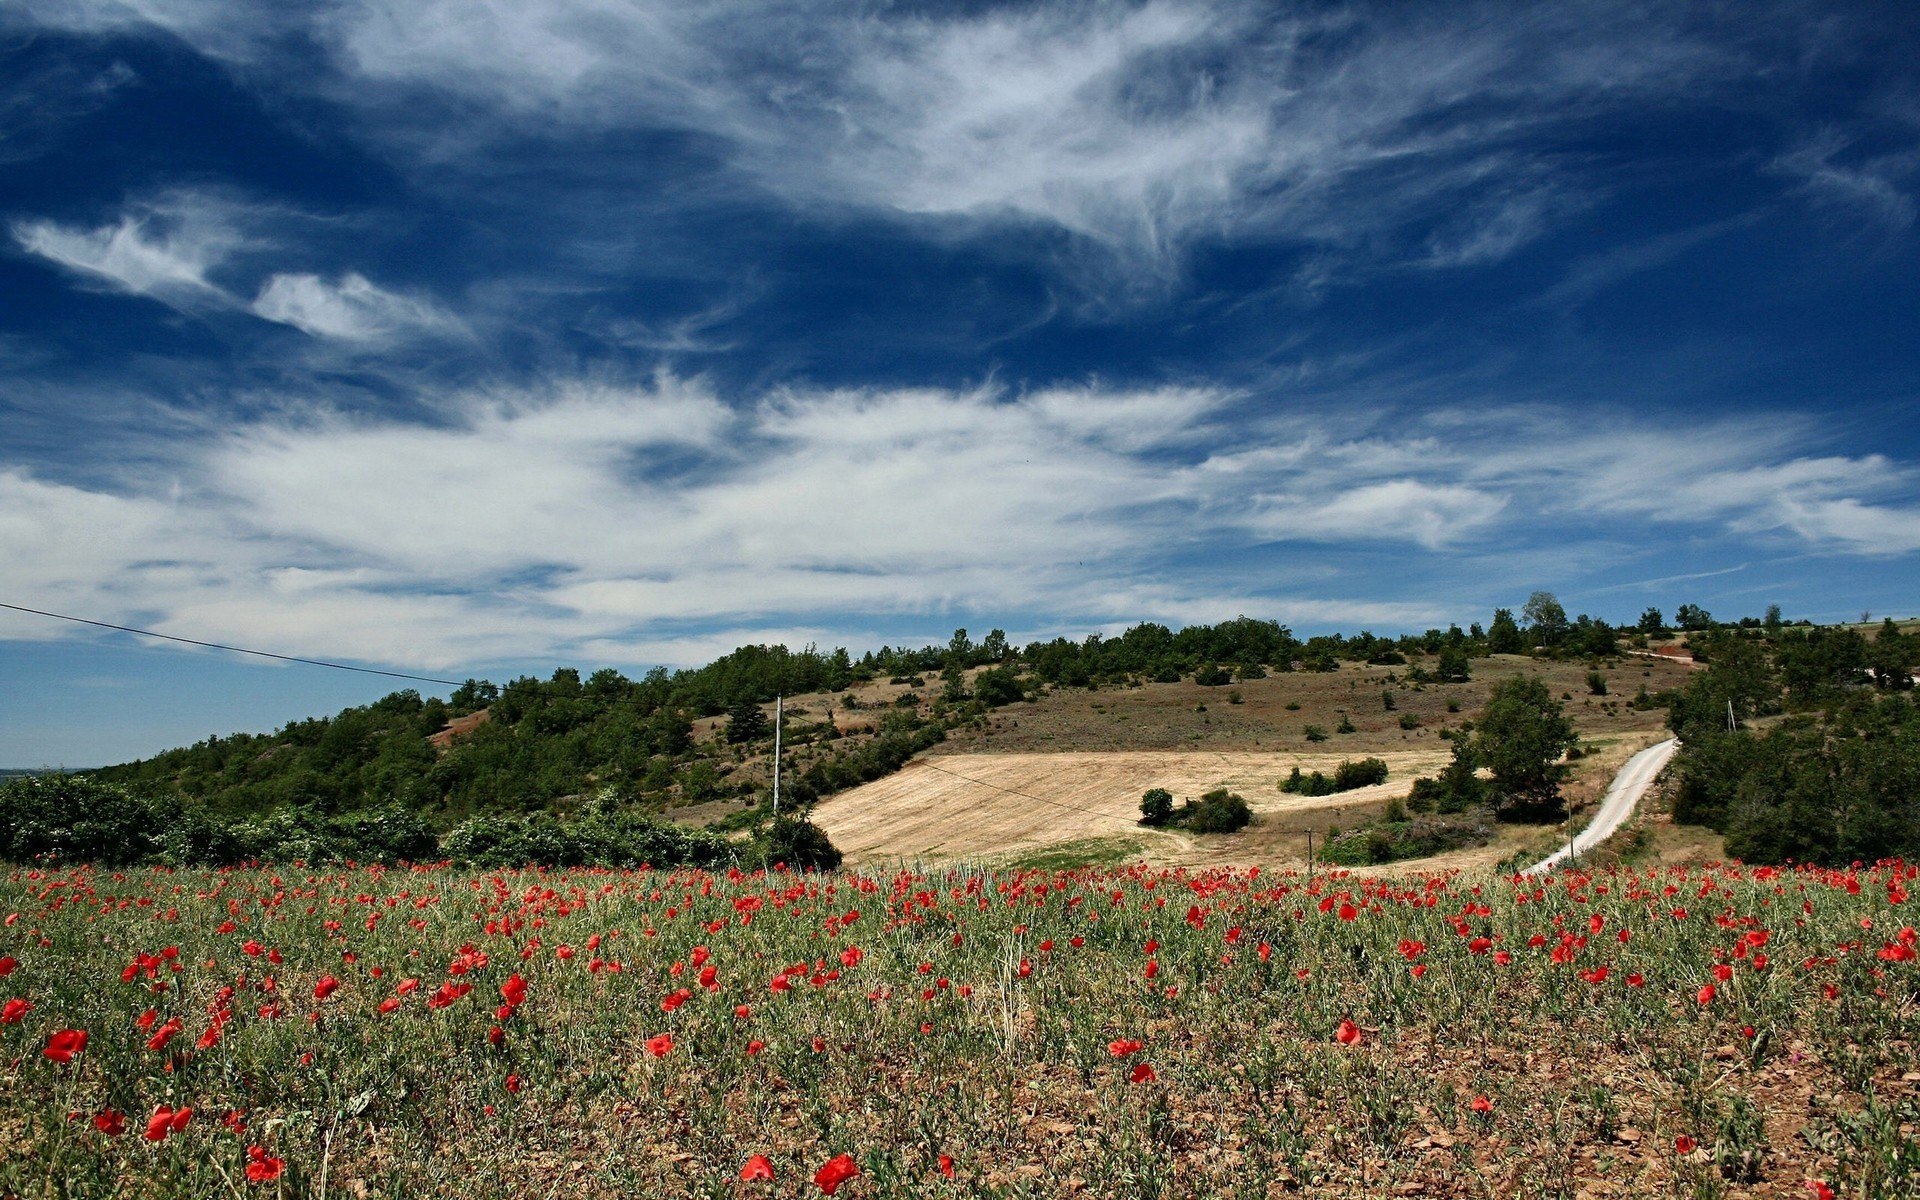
951 1031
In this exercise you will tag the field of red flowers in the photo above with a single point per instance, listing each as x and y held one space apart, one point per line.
1720 1031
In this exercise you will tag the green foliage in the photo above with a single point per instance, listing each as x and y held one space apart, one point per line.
1454 790
81 819
1211 675
1545 619
601 837
1156 806
1520 737
1219 811
1454 666
1393 840
1597 683
998 686
747 723
796 843
1316 734
1346 777
1692 617
1346 725
1503 636
1360 773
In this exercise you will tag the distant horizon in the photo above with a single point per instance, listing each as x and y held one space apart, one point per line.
481 339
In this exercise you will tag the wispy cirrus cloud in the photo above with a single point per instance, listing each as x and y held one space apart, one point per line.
163 248
192 250
1139 130
350 309
655 513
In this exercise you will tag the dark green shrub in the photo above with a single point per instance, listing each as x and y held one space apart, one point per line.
1363 773
1219 811
797 843
1156 807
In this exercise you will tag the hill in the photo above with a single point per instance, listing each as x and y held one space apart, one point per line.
1024 749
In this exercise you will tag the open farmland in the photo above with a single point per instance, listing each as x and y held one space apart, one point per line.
1138 1032
983 805
1066 771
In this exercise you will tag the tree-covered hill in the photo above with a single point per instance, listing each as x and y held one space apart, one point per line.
606 746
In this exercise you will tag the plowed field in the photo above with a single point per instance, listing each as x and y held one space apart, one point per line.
980 805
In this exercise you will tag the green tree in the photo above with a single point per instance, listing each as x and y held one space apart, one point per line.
1453 666
1503 636
1652 621
746 723
1546 619
1520 737
1692 617
1156 807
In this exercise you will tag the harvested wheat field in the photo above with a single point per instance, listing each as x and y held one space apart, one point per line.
980 805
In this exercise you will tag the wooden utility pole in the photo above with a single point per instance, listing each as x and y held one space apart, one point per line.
779 712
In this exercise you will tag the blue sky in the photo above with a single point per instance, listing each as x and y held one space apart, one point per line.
471 338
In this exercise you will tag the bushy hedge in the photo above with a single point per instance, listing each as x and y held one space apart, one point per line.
1347 776
76 818
1391 841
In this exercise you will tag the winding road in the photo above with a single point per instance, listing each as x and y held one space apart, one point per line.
1622 794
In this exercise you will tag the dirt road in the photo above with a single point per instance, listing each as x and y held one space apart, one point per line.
1628 786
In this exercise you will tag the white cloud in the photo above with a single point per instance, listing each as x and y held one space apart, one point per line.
162 248
1140 129
352 310
657 518
1869 186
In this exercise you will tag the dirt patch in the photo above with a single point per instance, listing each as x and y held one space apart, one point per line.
458 727
976 806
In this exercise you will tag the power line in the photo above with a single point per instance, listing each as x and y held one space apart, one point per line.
168 637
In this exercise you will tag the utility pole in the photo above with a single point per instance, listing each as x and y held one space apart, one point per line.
1309 856
779 712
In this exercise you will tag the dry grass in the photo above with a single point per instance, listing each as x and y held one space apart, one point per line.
1070 767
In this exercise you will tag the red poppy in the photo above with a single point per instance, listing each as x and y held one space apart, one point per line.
261 1167
1820 1190
837 1171
1481 1104
1142 1073
166 1121
64 1044
109 1122
7 965
327 986
1684 1144
13 1012
513 1084
757 1168
1348 1034
660 1045
1122 1047
514 990
1705 994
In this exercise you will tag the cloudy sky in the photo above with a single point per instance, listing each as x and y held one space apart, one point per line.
474 337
